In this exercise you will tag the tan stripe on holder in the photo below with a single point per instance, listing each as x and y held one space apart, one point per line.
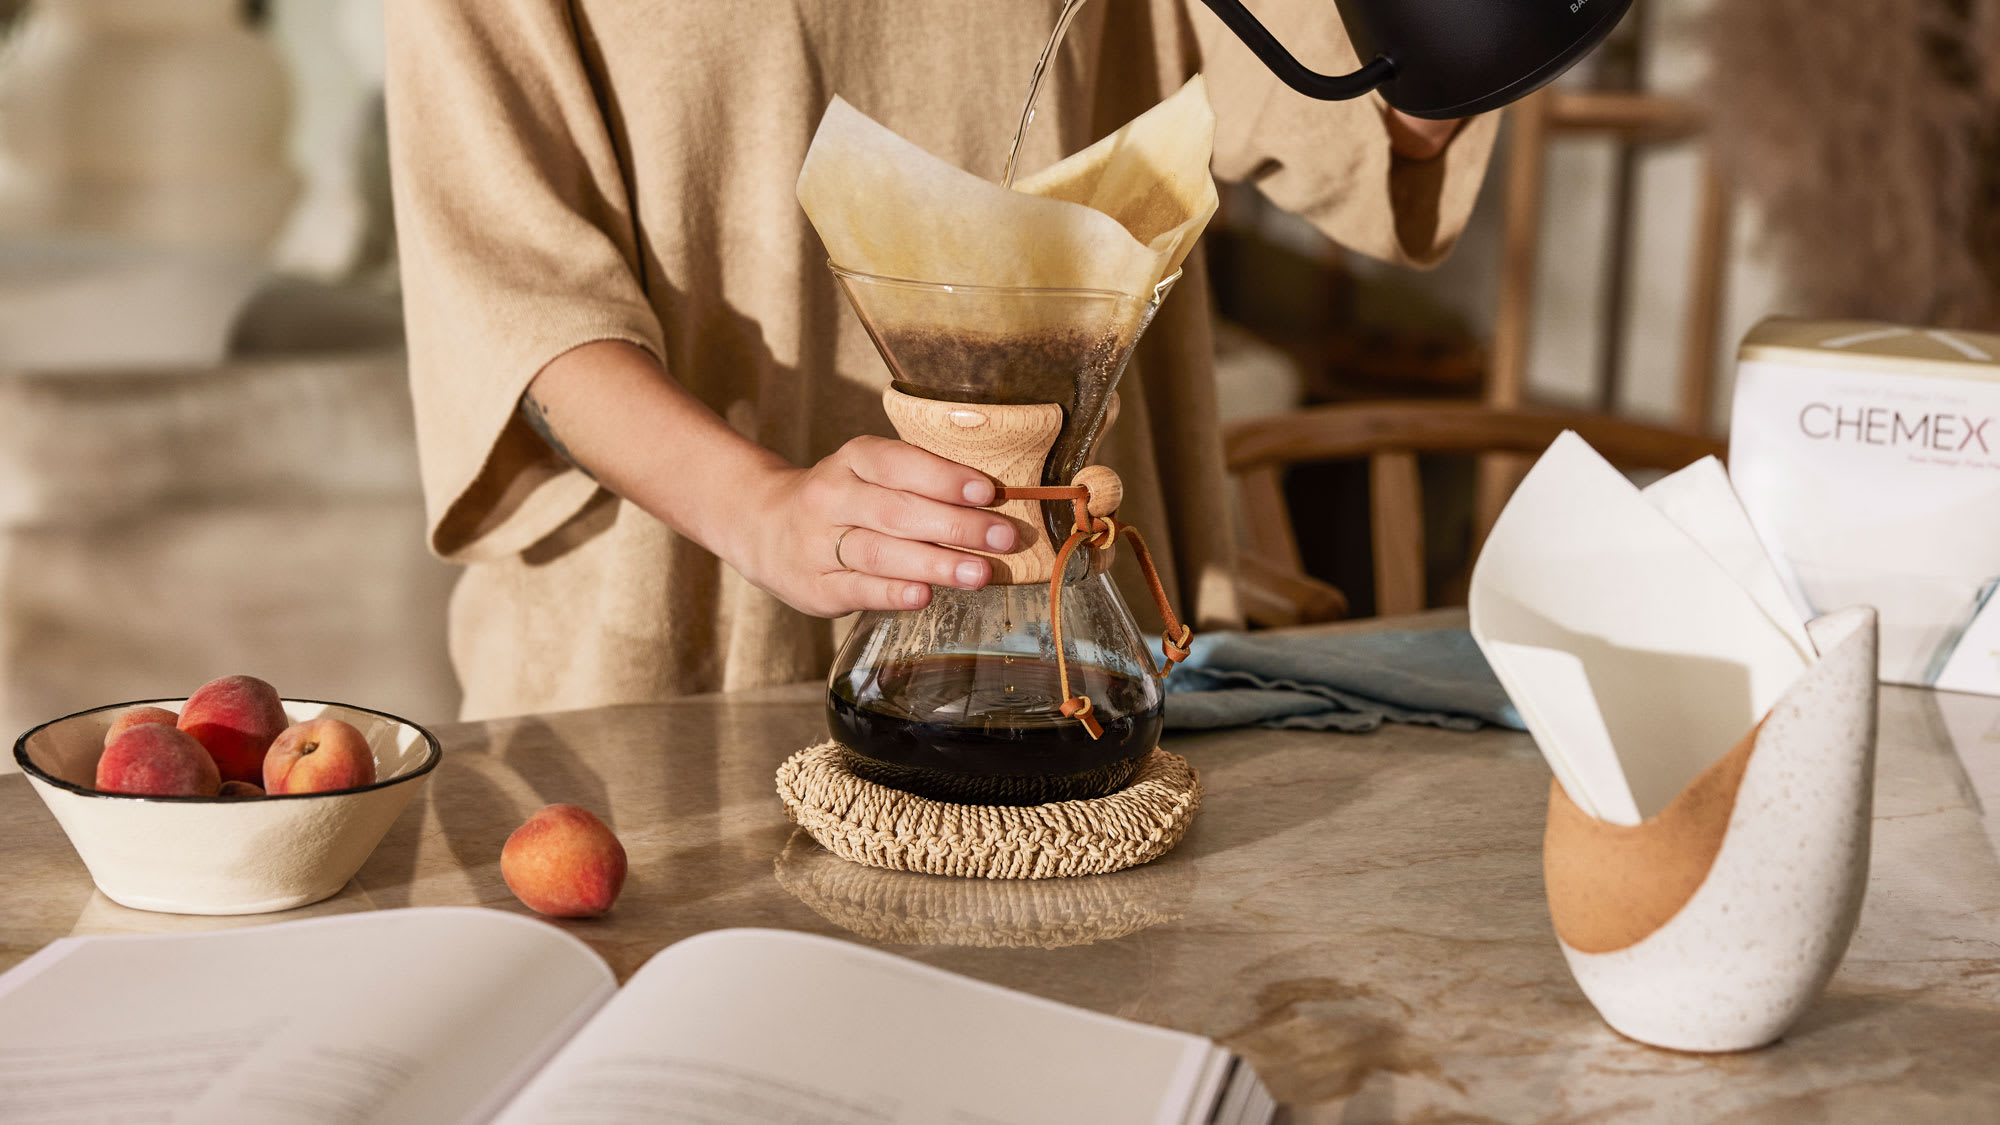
1611 885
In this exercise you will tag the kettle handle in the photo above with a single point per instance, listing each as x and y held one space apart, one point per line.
1327 87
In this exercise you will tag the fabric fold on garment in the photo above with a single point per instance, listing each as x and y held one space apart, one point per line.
1351 682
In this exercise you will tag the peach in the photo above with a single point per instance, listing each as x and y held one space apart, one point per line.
237 790
564 863
135 716
235 718
318 756
156 760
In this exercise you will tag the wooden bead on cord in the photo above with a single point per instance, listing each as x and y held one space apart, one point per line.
1106 490
1008 444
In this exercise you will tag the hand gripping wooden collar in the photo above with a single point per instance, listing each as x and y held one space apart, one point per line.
1010 443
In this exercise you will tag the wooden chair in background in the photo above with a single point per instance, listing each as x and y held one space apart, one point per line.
1390 436
1502 430
1635 120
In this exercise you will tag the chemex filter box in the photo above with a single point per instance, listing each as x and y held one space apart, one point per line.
1868 457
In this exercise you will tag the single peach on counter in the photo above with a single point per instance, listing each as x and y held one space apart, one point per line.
156 760
236 718
318 756
564 863
136 716
237 790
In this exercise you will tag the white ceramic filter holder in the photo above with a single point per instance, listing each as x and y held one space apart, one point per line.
1729 954
213 855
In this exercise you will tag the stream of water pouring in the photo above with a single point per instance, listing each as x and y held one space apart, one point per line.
1069 10
1063 18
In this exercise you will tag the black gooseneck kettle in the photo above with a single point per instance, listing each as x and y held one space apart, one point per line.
1442 58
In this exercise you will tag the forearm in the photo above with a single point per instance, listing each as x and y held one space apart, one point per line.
871 526
612 411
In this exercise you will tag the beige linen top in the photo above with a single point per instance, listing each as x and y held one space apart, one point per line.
611 170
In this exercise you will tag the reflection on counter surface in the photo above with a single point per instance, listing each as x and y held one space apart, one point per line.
1362 917
1970 726
909 908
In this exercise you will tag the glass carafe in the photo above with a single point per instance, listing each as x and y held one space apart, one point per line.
962 700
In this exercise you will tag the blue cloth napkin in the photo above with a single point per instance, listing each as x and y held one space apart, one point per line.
1341 681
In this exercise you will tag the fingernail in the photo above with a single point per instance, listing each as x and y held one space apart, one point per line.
979 493
1000 537
970 574
913 596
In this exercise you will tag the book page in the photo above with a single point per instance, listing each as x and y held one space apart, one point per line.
425 1015
770 1026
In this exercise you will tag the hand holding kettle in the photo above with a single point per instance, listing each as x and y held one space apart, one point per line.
1442 59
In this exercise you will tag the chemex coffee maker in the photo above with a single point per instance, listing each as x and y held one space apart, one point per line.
1006 317
1037 687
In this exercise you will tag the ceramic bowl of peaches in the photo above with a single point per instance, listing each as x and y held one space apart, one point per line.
231 801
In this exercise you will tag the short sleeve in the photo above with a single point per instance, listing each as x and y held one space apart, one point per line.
517 244
1330 162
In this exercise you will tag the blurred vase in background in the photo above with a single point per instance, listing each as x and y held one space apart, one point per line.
143 168
157 122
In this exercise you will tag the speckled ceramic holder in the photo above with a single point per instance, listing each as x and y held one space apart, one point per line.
1714 924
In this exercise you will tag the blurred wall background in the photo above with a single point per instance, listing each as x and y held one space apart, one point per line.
207 462
1569 335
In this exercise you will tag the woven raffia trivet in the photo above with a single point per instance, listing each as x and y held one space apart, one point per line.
882 827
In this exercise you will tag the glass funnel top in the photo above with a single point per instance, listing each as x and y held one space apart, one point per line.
987 344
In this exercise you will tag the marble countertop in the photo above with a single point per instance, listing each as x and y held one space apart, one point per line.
1359 915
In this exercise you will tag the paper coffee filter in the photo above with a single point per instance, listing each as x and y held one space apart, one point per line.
1119 215
1034 294
1640 633
1152 176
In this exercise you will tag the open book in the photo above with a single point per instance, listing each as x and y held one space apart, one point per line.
460 1014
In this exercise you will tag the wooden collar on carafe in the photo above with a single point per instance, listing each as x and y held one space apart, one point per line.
1011 442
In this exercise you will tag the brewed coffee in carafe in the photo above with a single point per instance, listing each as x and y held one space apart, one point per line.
976 717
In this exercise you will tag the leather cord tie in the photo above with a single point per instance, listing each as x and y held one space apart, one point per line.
1099 533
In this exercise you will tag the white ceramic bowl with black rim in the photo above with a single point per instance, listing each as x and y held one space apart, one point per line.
216 855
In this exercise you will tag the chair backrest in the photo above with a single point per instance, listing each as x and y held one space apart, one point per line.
1503 432
1633 119
1390 436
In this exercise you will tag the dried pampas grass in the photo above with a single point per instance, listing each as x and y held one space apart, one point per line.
1869 131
